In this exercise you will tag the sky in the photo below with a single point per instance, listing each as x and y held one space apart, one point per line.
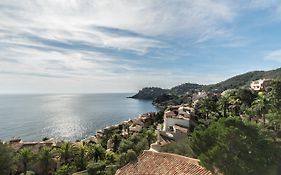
93 46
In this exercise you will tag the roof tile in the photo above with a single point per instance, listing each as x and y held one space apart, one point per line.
154 163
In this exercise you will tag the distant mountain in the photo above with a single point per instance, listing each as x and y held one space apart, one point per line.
244 80
184 88
149 93
238 81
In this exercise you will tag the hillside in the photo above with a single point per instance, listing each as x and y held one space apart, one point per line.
184 88
149 93
242 80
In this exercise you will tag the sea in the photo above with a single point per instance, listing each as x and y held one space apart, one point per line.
65 116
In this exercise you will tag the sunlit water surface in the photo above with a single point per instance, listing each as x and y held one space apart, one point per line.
71 117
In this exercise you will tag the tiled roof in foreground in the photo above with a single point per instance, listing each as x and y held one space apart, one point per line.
154 163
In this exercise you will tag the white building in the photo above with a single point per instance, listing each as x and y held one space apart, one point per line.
260 84
180 117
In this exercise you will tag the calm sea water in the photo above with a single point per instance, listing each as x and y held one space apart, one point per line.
32 117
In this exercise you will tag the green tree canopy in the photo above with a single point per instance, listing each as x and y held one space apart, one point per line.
66 151
6 159
246 96
233 147
45 156
25 157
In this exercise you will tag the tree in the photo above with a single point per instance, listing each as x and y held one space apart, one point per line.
65 169
6 159
261 105
116 139
25 156
246 96
232 147
150 136
45 156
223 104
96 168
141 145
95 151
80 157
234 105
180 147
275 95
207 106
125 145
66 151
131 155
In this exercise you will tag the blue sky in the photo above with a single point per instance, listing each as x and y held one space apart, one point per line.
71 46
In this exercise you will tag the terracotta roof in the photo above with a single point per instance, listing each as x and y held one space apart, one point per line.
154 163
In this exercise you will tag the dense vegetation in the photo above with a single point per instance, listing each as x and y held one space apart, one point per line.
150 93
70 157
238 133
238 81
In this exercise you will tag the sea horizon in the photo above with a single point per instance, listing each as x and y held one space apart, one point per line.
32 117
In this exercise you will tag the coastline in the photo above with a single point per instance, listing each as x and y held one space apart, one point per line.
92 138
65 117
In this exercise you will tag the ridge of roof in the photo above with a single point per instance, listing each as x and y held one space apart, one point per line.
156 163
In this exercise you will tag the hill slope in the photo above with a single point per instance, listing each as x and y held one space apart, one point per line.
242 80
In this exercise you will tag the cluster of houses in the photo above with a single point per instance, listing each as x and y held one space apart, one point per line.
18 144
176 125
132 125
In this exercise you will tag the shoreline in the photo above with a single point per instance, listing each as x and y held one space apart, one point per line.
35 128
47 140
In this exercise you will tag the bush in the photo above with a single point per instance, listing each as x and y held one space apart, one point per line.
95 168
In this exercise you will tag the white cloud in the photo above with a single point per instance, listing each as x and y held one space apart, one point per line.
64 38
274 55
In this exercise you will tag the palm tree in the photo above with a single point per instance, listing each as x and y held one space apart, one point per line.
25 156
223 103
234 105
208 105
95 151
45 156
80 157
261 105
66 151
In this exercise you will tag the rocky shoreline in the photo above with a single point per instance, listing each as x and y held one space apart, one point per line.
134 125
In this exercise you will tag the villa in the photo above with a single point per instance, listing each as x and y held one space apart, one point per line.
176 115
176 125
260 85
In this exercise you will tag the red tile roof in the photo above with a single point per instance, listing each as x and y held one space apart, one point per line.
154 163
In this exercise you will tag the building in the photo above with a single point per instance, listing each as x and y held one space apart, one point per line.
155 163
176 116
260 85
176 126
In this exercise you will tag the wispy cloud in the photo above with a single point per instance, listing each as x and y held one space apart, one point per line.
111 40
274 55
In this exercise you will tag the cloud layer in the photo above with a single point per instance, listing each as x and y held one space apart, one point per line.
116 41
